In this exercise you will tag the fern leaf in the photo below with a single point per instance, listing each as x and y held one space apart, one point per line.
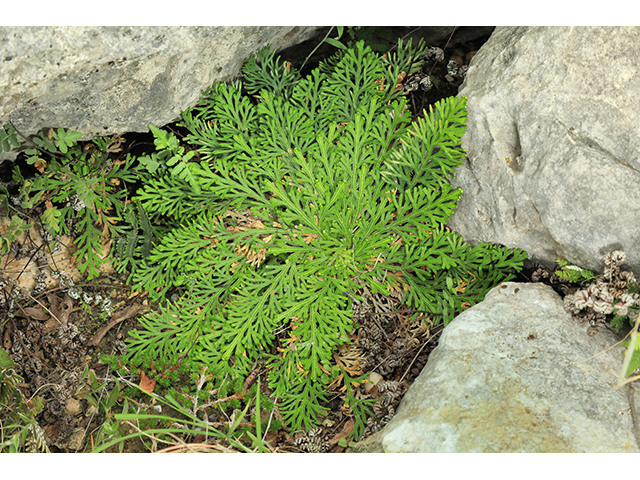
266 71
166 334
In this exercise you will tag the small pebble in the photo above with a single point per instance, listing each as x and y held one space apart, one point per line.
91 411
75 440
74 407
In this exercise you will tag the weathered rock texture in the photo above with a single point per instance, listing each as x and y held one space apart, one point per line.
515 373
105 80
553 141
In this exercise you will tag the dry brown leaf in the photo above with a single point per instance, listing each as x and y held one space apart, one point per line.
309 237
34 313
344 433
336 383
146 383
8 333
301 369
397 241
242 249
129 312
40 165
60 309
105 230
255 258
349 357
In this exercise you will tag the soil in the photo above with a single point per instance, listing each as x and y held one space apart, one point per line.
53 337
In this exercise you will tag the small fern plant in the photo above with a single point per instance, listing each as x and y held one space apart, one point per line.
80 190
573 273
306 194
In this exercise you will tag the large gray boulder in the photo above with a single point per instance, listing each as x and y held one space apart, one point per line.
515 373
107 80
553 143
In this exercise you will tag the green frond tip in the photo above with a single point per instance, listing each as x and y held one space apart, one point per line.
265 71
572 273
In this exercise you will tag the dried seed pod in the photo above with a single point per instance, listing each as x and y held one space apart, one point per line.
628 276
390 389
601 306
621 309
426 84
314 441
618 288
67 333
539 274
435 53
618 257
593 290
582 300
452 68
606 296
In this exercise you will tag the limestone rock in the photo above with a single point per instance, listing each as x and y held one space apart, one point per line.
108 80
515 373
553 143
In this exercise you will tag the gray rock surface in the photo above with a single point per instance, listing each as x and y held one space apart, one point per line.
107 80
515 373
553 143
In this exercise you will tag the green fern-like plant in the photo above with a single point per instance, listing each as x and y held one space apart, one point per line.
82 189
134 241
573 273
303 198
266 71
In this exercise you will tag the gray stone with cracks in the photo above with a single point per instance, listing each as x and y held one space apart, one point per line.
553 144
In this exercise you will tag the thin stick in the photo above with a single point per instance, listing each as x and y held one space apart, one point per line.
270 417
604 351
314 50
192 446
445 47
50 312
